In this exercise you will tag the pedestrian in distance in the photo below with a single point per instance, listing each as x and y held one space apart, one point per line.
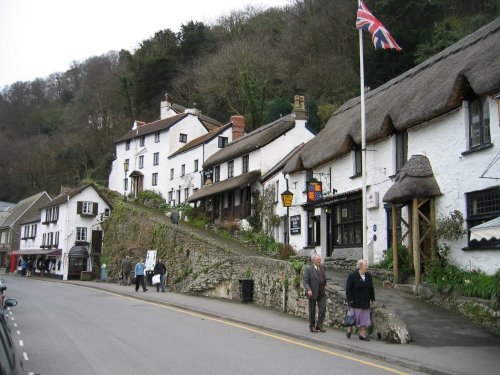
174 216
161 270
7 265
314 284
126 267
24 266
139 275
360 292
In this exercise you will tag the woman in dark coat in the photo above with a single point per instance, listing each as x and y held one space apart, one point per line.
360 292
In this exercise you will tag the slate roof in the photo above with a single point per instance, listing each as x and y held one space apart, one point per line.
252 141
61 198
200 140
427 91
232 183
19 209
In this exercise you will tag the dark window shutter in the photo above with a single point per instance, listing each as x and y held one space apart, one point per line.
79 207
94 208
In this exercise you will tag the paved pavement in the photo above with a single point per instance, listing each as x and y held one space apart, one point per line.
444 342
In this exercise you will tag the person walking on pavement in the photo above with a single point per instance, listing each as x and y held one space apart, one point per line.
139 275
7 265
161 270
359 292
314 285
126 267
174 216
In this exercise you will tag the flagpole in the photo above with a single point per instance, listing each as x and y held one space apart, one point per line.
363 141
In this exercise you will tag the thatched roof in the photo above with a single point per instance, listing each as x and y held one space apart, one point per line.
232 183
427 91
251 141
414 180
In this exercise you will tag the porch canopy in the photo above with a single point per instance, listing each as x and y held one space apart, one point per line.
54 252
233 183
486 231
78 251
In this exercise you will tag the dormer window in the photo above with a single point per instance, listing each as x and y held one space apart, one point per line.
127 145
183 138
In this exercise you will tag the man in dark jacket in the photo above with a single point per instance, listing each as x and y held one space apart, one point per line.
161 270
126 266
314 285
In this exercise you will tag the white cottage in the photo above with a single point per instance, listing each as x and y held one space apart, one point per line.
71 232
433 137
141 161
233 173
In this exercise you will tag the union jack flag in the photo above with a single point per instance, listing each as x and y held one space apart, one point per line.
314 191
380 36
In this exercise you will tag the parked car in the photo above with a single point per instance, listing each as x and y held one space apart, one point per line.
10 360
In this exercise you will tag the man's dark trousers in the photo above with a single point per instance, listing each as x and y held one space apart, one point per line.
321 303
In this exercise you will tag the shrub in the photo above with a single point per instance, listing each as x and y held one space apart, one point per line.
405 261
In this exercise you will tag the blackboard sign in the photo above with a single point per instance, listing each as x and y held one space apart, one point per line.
208 175
295 224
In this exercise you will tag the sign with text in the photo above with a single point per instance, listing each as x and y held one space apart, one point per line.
295 224
208 176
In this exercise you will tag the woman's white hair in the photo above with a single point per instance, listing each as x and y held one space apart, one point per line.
360 261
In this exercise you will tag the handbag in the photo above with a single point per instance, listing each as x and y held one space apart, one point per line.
350 318
156 279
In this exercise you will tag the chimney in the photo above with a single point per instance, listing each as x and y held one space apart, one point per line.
65 189
299 108
166 107
238 126
137 124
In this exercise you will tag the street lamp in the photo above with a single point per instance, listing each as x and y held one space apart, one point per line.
286 199
125 170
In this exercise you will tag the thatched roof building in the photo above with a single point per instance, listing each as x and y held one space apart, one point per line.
434 87
415 179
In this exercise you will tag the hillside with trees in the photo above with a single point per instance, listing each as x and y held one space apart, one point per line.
60 130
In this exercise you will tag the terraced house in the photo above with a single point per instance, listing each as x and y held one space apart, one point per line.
433 137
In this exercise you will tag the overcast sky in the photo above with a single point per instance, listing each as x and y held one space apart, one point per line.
41 37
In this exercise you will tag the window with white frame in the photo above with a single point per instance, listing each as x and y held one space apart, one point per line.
154 179
479 122
183 169
125 184
186 193
33 230
171 173
81 234
142 141
26 232
244 164
157 137
230 168
87 208
156 158
196 165
127 145
56 239
141 161
183 138
170 196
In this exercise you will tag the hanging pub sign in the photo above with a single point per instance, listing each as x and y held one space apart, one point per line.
295 224
314 191
208 176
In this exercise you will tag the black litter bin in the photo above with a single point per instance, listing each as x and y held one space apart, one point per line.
246 290
149 278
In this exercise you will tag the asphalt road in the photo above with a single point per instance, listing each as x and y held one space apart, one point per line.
68 329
